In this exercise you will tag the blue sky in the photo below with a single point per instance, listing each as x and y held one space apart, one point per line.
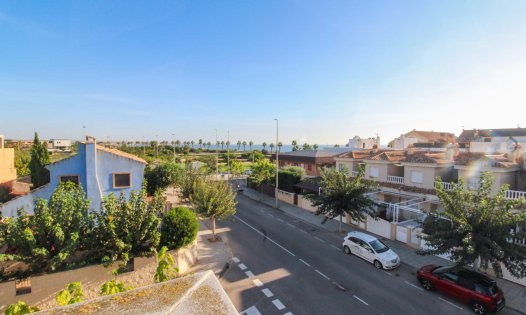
329 70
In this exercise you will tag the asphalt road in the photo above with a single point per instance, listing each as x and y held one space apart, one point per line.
285 266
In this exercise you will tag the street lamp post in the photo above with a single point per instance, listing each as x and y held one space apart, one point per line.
173 134
277 164
217 158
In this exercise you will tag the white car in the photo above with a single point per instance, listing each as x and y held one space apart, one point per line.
371 249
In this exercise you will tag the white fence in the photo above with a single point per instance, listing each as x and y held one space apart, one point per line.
515 194
445 185
380 227
401 234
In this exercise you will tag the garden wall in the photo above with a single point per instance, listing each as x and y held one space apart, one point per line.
45 287
286 196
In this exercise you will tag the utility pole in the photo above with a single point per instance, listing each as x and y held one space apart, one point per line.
277 163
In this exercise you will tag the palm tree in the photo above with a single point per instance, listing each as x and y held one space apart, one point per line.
192 142
295 145
343 195
200 143
227 144
177 142
208 144
238 145
217 144
222 144
251 144
279 146
244 145
264 144
315 146
271 146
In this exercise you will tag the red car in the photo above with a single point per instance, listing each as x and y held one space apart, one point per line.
466 285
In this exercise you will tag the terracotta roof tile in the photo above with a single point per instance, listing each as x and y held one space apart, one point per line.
495 160
121 153
424 157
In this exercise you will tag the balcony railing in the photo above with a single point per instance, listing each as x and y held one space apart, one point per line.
354 173
395 179
445 185
515 194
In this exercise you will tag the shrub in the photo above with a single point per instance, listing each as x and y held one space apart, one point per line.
72 294
113 287
20 308
179 228
166 268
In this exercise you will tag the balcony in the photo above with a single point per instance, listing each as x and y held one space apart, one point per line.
445 185
354 173
395 179
515 194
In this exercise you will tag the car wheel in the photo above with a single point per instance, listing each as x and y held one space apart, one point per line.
347 250
426 284
378 264
478 308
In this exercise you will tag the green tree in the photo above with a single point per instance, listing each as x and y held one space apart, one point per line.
341 194
306 146
271 147
295 146
251 143
257 155
290 176
129 228
22 159
479 228
20 308
179 228
244 145
236 167
238 145
162 176
262 172
214 200
39 159
186 183
264 145
315 146
71 294
58 228
166 268
200 143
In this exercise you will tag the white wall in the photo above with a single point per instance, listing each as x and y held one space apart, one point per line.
380 227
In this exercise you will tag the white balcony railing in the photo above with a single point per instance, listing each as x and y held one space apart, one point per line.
354 173
395 179
515 194
445 185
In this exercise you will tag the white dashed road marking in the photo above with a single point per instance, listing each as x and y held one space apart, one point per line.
251 311
258 282
321 274
268 238
278 304
291 225
360 300
280 220
388 273
460 308
235 259
249 274
303 231
335 247
414 286
242 266
303 261
267 292
319 239
288 313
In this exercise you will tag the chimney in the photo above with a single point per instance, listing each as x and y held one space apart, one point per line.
410 149
450 151
93 191
1 141
375 148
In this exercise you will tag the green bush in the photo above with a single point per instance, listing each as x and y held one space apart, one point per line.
20 308
179 228
290 176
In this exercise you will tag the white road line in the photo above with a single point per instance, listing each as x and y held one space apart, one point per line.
335 247
242 266
270 214
288 313
360 300
291 225
268 238
319 239
388 273
338 285
280 220
258 282
249 274
303 261
414 286
267 292
251 311
278 304
460 308
235 259
321 273
304 231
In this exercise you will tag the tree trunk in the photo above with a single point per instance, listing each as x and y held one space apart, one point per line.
213 228
340 223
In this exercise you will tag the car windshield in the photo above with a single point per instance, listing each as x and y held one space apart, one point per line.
378 246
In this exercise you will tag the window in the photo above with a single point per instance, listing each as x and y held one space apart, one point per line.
121 180
417 177
373 172
340 167
70 178
450 276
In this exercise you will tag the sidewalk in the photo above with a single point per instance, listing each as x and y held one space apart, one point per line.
515 294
